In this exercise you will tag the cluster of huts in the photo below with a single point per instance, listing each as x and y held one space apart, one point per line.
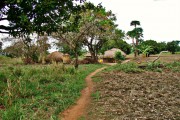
107 57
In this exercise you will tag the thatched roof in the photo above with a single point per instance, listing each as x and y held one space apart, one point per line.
55 56
111 53
88 54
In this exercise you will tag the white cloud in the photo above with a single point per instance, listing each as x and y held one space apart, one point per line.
160 19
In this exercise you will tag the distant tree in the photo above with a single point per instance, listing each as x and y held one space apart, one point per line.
64 48
135 23
117 42
173 46
15 50
162 46
1 46
136 34
153 44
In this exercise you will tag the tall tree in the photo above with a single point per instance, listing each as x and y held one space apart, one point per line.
101 28
27 16
136 34
135 23
93 27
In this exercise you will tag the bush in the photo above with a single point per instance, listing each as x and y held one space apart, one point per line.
128 68
119 56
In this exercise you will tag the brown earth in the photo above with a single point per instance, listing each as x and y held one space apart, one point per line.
142 96
76 111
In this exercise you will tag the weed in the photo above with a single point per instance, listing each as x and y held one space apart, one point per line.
128 68
96 95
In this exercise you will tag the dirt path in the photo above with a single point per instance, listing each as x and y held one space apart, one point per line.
74 112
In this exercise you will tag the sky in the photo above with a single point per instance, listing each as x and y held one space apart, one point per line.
160 19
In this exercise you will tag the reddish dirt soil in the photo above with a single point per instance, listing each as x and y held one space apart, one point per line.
76 111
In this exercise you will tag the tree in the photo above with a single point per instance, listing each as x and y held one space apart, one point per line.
153 44
117 42
28 16
93 29
173 46
15 50
1 46
145 49
136 34
135 23
100 27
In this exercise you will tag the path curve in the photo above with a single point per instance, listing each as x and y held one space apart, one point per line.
74 112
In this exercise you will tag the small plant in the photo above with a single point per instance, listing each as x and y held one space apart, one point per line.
154 65
119 56
128 68
96 95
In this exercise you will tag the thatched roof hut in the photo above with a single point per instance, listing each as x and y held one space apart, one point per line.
54 56
110 54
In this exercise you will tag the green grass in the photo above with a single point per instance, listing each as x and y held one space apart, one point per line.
127 67
10 61
40 91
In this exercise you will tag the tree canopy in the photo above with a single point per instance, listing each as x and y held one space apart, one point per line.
27 16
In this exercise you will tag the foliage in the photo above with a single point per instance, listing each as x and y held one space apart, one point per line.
117 42
128 68
153 44
28 16
98 26
119 56
40 92
136 34
28 49
154 66
145 49
10 61
174 66
93 27
173 46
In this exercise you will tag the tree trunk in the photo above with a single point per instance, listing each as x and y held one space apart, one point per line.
76 64
135 50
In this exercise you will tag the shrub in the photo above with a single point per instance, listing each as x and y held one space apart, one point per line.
128 68
119 56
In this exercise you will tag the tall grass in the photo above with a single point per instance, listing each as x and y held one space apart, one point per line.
41 91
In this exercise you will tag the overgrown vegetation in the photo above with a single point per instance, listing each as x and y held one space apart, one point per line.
40 92
119 56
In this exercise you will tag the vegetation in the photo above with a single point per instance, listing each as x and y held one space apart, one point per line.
117 42
125 91
128 68
30 16
136 34
40 92
173 46
119 56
